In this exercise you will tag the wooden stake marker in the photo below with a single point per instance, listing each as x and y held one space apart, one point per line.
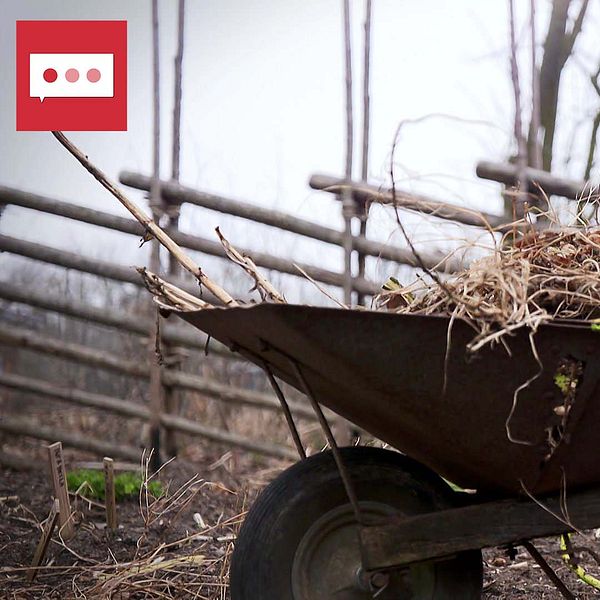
40 551
109 494
59 483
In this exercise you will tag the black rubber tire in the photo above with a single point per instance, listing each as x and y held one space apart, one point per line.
263 558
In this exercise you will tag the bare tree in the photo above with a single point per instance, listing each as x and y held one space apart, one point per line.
589 165
558 47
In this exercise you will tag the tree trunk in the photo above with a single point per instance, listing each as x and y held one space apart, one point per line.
557 49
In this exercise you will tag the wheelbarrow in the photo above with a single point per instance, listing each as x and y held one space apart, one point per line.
506 423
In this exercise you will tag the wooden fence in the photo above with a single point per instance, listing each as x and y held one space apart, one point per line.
171 379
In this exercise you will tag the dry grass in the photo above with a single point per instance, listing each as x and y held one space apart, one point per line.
554 274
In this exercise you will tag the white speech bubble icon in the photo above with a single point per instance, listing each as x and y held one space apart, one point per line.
71 76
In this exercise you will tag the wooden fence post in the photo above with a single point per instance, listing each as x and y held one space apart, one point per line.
362 208
156 388
172 396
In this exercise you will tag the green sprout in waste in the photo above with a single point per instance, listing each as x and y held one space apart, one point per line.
563 383
127 484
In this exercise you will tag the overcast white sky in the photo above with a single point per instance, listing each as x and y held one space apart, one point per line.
263 109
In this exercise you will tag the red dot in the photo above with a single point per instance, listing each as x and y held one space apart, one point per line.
50 75
93 75
72 75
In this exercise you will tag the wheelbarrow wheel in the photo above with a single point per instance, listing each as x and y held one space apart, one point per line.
300 540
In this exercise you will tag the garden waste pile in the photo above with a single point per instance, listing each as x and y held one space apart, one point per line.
546 275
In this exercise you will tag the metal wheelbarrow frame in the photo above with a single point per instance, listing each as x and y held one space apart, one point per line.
483 421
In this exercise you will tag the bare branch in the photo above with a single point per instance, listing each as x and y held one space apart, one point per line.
576 29
263 285
535 150
558 47
518 124
593 141
592 148
149 225
168 295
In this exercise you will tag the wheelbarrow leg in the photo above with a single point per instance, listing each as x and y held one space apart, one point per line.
339 461
286 411
548 570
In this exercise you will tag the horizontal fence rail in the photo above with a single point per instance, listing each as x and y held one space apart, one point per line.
508 174
20 426
127 409
92 266
70 260
364 192
213 248
176 193
22 338
177 336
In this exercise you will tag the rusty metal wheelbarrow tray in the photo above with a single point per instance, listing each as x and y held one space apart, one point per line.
410 381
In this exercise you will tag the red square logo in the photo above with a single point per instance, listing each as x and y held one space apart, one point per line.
71 75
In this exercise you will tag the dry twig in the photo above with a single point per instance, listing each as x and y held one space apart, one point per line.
149 225
262 284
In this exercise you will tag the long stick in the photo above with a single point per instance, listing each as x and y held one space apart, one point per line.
178 92
149 225
348 209
366 91
44 540
364 207
156 205
174 208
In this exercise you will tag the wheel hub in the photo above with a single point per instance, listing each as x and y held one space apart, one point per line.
327 564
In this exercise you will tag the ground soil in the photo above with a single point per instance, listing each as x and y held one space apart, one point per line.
80 568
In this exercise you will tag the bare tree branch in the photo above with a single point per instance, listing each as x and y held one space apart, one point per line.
518 123
589 165
576 29
593 137
557 49
149 225
534 148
